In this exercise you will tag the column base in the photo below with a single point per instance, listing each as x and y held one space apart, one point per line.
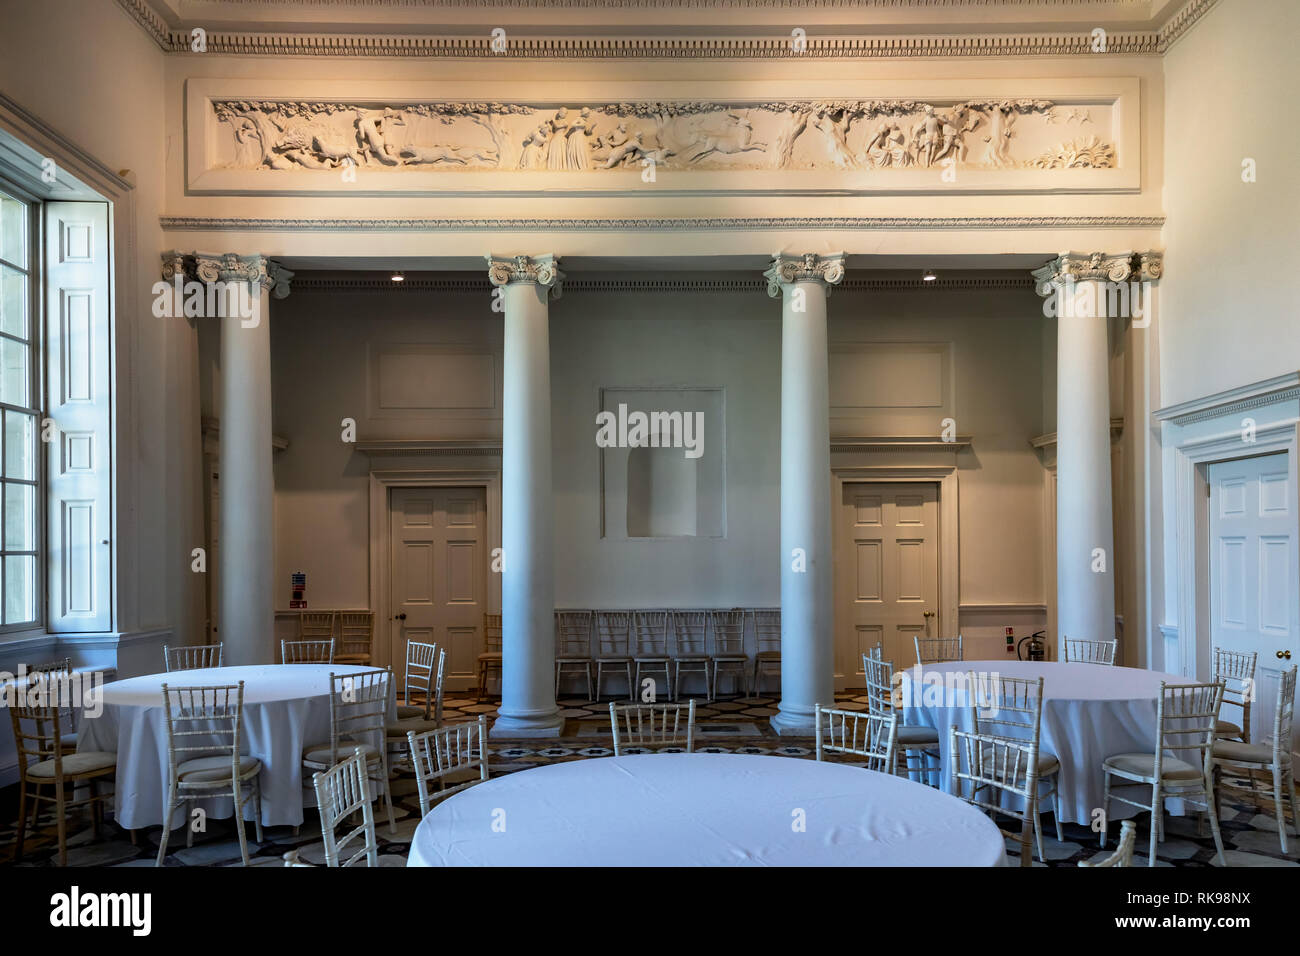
527 725
794 722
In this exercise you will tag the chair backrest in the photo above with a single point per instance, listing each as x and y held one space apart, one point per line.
356 631
937 650
63 666
767 629
358 711
1123 855
660 725
1237 671
650 630
315 625
983 768
340 792
193 657
1089 652
1283 714
421 663
1010 707
307 652
455 748
613 633
690 632
882 696
203 721
492 634
1186 717
870 736
728 632
573 633
38 720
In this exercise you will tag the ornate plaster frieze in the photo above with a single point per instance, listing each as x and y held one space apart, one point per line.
227 267
874 136
624 224
443 285
985 44
1098 266
534 270
809 267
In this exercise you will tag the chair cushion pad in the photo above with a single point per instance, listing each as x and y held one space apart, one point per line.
407 711
1143 765
400 729
912 736
1226 728
318 755
75 764
205 769
1232 751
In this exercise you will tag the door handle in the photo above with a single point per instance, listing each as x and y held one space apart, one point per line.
402 616
1284 654
928 614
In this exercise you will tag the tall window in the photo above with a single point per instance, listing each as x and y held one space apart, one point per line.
20 474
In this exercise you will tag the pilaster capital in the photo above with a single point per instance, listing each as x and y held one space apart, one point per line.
809 267
208 267
533 270
1071 267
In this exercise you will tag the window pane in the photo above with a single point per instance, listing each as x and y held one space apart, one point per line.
20 589
13 231
20 520
20 452
13 302
13 372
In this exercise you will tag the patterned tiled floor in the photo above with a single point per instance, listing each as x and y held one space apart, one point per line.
1248 825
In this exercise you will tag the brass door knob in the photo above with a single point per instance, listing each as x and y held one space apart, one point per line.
1284 654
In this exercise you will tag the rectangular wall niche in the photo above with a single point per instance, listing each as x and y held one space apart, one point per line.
661 492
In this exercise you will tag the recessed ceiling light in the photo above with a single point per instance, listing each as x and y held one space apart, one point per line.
928 276
398 277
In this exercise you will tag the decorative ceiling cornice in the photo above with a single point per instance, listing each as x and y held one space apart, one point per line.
1047 43
786 223
443 285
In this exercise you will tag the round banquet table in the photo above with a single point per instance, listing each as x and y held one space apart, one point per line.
1090 712
703 810
286 707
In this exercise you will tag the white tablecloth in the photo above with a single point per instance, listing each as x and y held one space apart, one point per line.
703 810
1090 712
285 708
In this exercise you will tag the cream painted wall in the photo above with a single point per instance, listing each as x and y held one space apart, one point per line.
87 71
732 340
1228 305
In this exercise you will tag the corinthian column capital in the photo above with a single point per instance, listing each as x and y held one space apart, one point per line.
533 270
809 267
1071 267
208 267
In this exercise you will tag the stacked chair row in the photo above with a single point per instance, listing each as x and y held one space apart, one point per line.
667 644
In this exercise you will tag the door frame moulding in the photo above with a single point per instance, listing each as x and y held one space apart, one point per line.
945 477
381 543
1192 461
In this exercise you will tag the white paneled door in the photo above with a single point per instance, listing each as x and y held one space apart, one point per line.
439 571
1254 592
886 572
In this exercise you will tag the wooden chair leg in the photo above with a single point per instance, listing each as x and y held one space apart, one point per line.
1279 807
22 819
60 803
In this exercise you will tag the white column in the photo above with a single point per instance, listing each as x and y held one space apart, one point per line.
527 517
807 642
246 511
1079 287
